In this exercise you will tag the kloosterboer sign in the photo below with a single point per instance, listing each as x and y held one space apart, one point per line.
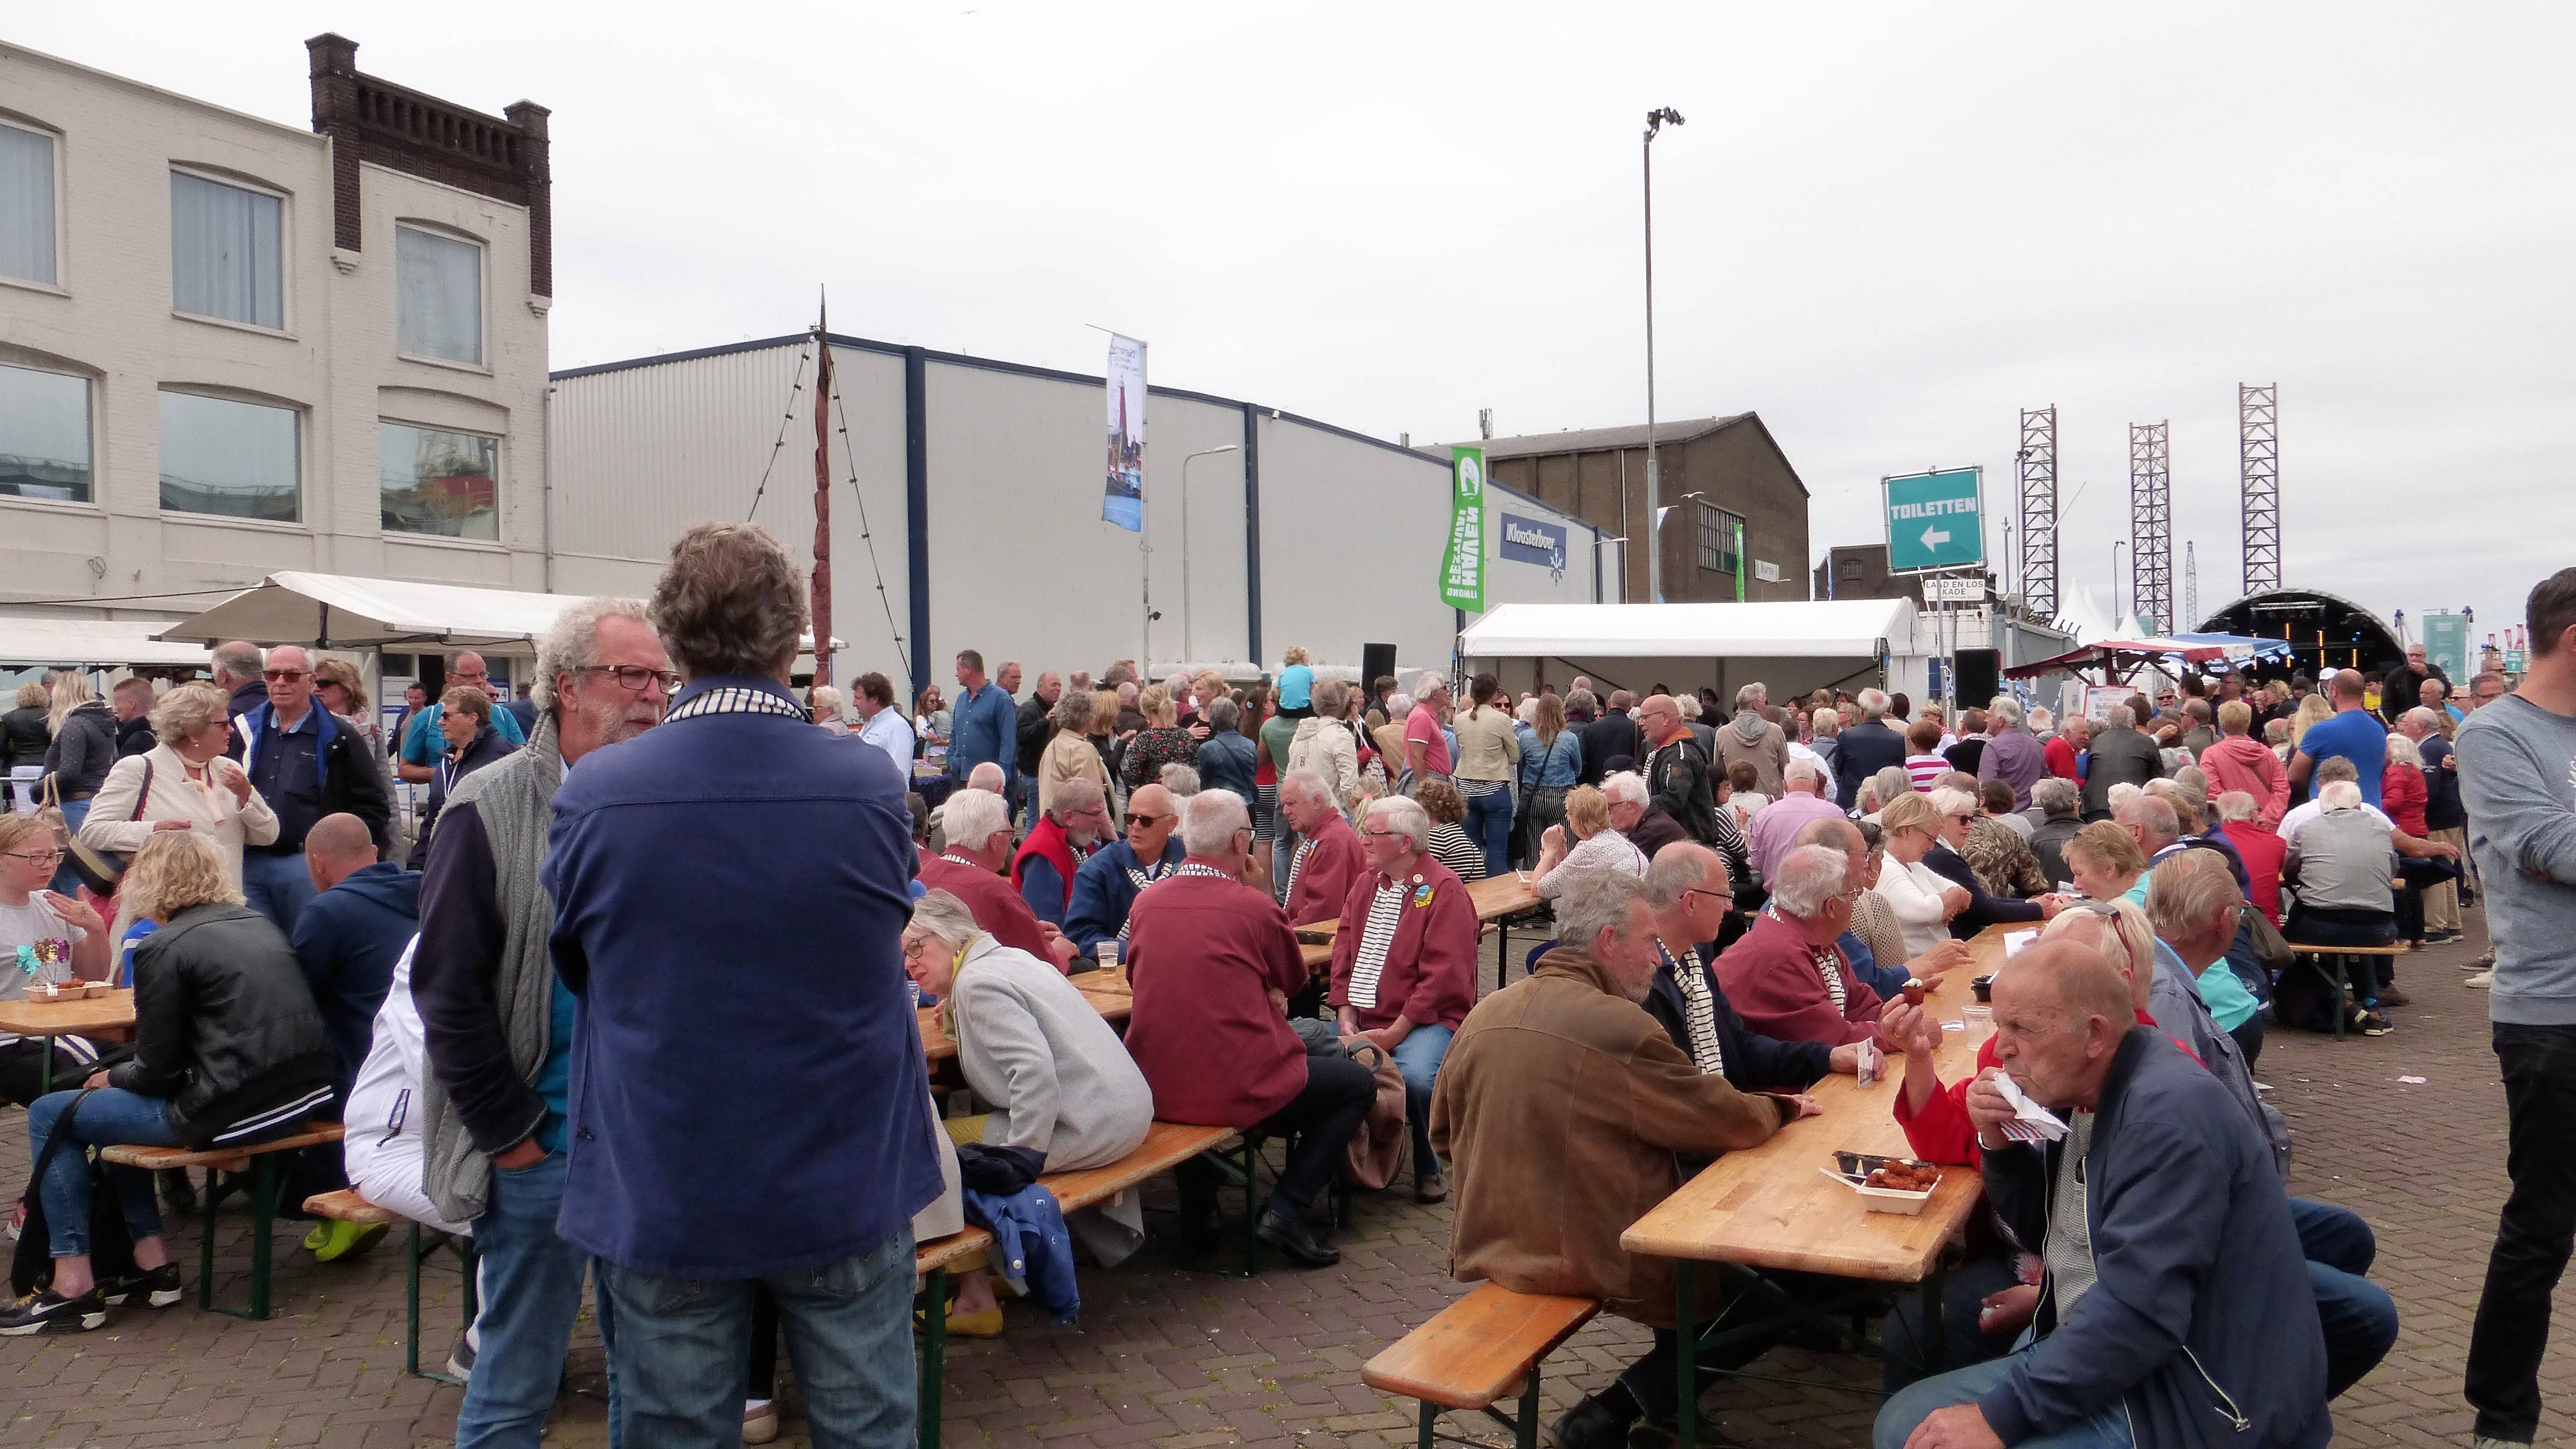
1935 521
1530 541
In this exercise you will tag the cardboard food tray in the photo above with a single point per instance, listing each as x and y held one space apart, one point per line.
1858 1165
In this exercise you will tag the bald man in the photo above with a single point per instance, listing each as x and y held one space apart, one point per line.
2179 1281
1106 887
362 917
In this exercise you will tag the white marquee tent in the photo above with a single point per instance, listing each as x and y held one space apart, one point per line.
1792 646
53 641
337 611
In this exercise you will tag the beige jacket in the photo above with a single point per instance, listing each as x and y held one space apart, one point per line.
1324 746
1566 1111
208 808
1068 757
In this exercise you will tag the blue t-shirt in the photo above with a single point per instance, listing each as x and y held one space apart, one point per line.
554 1078
417 746
1296 687
2354 735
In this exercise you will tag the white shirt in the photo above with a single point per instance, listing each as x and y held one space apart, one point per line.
1913 892
2297 820
887 731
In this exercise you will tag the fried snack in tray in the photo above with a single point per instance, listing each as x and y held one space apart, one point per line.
1905 1177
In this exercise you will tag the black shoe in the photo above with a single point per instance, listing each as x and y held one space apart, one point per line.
1430 1187
178 1195
1590 1425
49 1312
159 1287
1298 1241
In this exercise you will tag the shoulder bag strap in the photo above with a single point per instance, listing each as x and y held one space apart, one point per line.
143 796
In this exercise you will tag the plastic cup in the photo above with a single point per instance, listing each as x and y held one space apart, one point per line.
1980 1023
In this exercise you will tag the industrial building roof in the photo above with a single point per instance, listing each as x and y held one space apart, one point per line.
1594 440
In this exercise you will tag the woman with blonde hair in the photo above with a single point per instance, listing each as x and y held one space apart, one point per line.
183 782
83 730
2106 863
1161 742
1551 762
2312 710
1922 902
337 684
228 1049
44 938
1586 841
1323 745
1296 682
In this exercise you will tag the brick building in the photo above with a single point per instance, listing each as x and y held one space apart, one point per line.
231 346
1718 476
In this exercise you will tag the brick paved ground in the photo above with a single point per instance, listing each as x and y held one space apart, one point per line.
1179 1359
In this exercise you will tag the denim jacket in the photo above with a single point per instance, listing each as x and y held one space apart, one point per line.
1551 767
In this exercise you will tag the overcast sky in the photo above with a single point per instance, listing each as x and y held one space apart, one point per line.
1886 228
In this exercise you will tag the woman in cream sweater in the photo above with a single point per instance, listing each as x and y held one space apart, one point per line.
192 787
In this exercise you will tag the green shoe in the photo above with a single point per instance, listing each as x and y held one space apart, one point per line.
340 1240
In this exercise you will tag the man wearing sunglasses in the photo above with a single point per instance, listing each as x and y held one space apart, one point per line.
305 766
1106 887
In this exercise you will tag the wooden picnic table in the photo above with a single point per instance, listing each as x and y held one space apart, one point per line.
110 1016
1107 991
1769 1207
1500 900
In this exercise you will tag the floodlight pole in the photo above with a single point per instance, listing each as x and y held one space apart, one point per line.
1655 120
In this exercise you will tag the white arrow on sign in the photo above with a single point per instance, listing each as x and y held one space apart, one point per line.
1934 538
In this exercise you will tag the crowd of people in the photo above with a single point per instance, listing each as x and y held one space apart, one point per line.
1741 892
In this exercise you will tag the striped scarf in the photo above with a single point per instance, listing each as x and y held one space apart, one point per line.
1699 1009
1386 911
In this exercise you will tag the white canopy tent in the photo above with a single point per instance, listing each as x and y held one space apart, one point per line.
1792 646
53 641
337 611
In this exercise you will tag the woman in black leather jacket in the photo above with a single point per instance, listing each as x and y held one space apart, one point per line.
228 1049
23 731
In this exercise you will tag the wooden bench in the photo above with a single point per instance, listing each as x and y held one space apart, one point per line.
1167 1145
1475 1352
2334 958
225 1167
350 1206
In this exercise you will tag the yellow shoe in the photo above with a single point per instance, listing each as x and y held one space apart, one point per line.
987 1324
341 1240
314 1240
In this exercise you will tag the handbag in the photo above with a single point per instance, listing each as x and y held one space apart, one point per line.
111 1247
100 870
1382 1148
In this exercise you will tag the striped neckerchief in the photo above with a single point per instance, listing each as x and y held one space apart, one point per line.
1699 1008
1377 937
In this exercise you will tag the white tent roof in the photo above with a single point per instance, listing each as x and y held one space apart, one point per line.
343 612
1796 629
52 639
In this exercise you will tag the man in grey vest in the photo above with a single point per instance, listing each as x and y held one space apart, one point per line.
497 1024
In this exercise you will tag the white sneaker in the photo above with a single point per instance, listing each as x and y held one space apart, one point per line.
2483 981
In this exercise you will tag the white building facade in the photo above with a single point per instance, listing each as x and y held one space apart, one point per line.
230 346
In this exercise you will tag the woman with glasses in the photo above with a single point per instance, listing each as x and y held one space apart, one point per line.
1957 813
46 938
1923 903
465 727
337 685
182 783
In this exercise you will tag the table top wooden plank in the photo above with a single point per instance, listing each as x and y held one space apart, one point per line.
111 1012
1769 1207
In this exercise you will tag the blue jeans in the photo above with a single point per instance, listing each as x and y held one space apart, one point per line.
531 1287
1418 1056
2359 1318
107 1117
1489 824
1912 1405
276 886
684 1349
64 882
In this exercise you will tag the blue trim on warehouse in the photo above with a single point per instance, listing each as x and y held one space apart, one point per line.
1252 531
916 510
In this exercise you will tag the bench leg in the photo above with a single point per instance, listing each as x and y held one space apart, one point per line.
1525 1433
934 1353
1502 954
1686 1356
411 1302
206 1240
1426 1420
2342 995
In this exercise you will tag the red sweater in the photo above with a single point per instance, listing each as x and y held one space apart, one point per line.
1942 1133
1204 955
1430 971
2061 758
2401 797
1770 978
1325 880
997 908
2263 852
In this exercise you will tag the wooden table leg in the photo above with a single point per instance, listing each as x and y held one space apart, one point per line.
1686 1356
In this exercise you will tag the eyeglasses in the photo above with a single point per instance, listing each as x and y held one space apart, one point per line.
1726 896
1136 820
48 857
1968 819
633 677
285 676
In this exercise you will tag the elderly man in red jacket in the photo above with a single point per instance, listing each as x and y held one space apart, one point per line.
1213 960
1404 963
1328 856
979 845
1786 977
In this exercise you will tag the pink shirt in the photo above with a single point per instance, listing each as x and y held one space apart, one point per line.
1422 727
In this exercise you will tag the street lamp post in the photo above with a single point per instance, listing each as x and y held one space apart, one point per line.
1622 541
1655 121
1189 646
2117 591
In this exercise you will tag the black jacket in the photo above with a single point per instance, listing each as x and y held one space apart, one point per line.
1034 730
2118 756
225 1028
1606 741
1862 751
81 754
1983 909
1677 780
487 747
135 737
1754 1062
353 780
23 737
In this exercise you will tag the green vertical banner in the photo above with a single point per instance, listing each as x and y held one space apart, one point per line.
1462 572
1739 563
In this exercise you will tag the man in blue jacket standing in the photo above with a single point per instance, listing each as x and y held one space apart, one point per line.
692 1193
2175 1311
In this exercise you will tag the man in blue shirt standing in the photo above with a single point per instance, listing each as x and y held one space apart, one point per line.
693 1194
2352 732
985 727
417 761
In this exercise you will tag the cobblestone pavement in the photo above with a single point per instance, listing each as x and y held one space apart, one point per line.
1182 1359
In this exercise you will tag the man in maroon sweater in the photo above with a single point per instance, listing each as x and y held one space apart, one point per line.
979 846
1212 961
1328 855
1404 963
1786 977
